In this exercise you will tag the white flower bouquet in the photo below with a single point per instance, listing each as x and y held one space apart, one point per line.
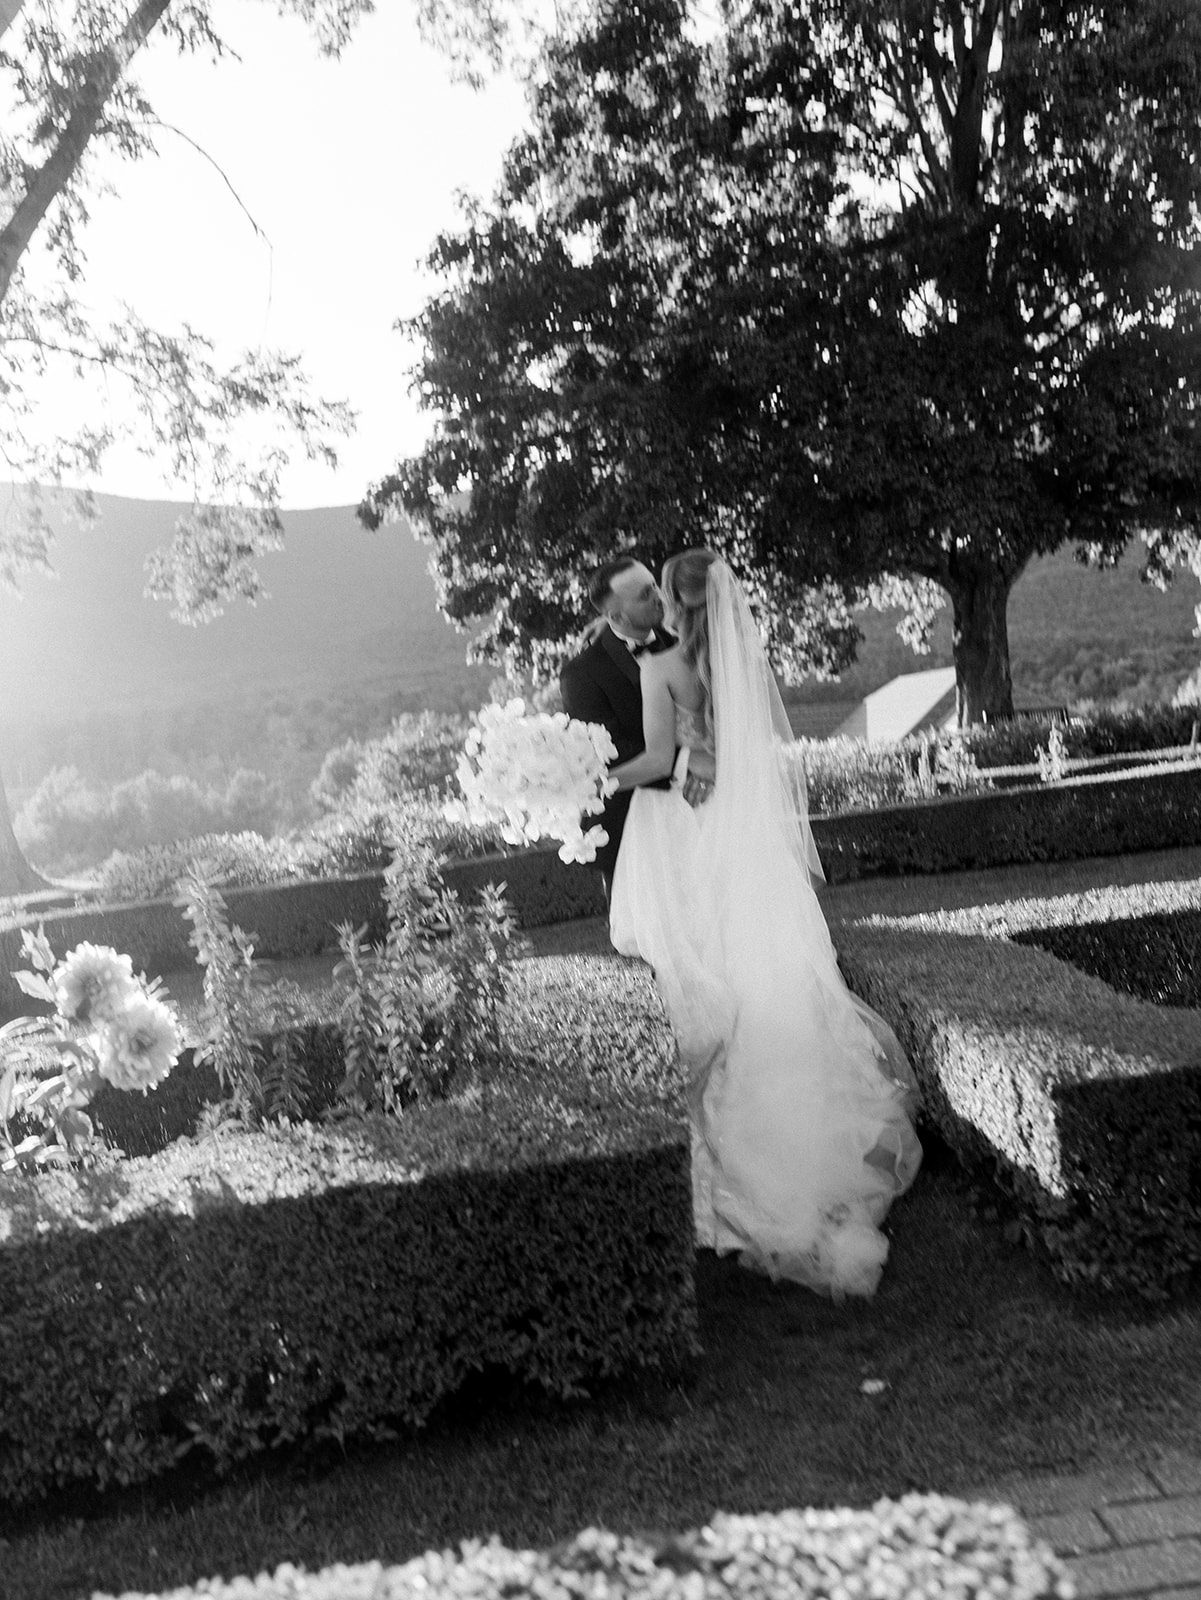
107 1026
536 775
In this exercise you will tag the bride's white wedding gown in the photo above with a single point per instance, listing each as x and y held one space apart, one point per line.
800 1096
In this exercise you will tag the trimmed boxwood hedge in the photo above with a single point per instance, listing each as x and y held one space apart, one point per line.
1084 1102
1099 731
1112 814
286 920
1155 957
232 1294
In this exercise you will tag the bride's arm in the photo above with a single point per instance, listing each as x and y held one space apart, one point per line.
658 731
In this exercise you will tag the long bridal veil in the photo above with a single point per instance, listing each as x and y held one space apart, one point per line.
807 1119
761 804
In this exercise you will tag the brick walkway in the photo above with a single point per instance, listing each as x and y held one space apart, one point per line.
1123 1532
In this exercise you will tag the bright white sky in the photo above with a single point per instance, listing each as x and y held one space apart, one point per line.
349 167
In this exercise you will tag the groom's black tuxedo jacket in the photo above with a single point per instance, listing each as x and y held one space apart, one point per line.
603 684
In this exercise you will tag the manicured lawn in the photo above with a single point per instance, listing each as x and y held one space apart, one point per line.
990 1367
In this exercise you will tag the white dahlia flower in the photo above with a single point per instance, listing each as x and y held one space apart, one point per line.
92 983
140 1044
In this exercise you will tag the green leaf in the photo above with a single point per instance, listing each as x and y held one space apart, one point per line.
37 987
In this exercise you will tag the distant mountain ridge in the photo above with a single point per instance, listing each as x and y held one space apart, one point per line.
347 608
94 674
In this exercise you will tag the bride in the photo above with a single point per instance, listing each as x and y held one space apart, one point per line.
799 1094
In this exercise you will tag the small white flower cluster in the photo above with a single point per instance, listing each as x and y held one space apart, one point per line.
536 775
1053 761
928 1545
135 1036
922 1545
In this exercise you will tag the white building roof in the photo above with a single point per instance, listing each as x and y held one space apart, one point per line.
906 704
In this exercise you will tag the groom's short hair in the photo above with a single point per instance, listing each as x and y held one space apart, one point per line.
600 580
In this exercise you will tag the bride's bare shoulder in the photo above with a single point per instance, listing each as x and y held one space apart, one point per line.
666 665
680 677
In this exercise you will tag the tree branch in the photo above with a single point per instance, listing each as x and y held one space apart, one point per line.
48 182
169 127
936 70
937 171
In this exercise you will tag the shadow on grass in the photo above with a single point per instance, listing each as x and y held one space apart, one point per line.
990 1367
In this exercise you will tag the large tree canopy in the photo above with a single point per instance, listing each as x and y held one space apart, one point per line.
892 293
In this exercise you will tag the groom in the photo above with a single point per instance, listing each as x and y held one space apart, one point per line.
603 684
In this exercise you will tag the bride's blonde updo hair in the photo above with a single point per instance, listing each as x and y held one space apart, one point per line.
684 583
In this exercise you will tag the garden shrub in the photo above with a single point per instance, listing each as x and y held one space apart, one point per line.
354 839
212 1262
846 774
238 859
1156 958
1085 1103
921 1545
182 1106
69 824
97 1025
247 1026
1089 730
232 1294
543 889
417 755
1153 808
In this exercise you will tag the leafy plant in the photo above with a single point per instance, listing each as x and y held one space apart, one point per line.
417 755
106 1026
955 769
247 1028
421 1011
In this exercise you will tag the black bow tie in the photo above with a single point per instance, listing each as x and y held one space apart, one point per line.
649 646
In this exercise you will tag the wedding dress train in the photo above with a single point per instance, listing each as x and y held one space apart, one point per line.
800 1097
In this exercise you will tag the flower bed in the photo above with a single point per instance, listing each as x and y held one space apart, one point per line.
923 1545
225 1292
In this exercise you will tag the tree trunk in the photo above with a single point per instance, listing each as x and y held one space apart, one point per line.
16 875
980 641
